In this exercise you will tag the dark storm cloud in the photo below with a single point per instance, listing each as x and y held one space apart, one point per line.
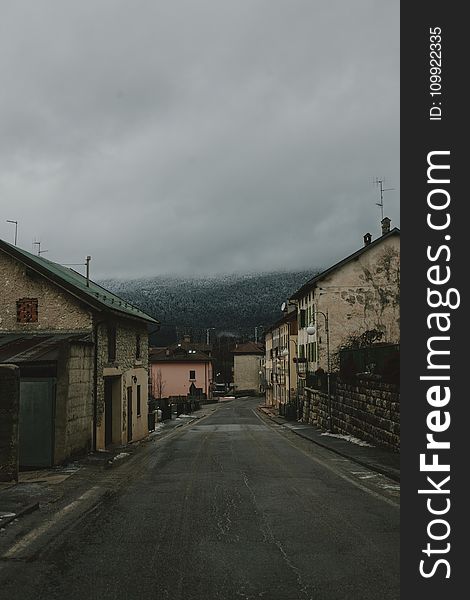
197 137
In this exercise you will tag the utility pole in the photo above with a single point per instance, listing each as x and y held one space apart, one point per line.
16 229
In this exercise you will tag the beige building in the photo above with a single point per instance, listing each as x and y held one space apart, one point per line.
281 371
268 367
96 385
357 297
248 368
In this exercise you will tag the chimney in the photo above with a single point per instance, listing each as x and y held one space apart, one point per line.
385 225
367 239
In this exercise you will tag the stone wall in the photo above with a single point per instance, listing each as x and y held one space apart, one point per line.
9 410
74 401
367 409
127 367
57 310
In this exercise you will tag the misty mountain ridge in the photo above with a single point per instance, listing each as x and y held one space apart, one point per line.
231 304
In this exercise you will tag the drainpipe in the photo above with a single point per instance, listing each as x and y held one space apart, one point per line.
95 384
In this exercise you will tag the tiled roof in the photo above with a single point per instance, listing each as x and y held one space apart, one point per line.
177 355
76 284
249 348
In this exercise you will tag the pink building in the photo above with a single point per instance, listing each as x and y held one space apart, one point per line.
179 371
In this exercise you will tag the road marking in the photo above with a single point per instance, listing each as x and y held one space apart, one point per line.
331 468
33 535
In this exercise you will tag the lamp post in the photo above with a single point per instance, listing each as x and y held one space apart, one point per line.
311 330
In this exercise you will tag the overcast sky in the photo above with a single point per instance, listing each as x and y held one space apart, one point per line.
197 137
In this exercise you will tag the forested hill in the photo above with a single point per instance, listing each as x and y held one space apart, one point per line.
233 305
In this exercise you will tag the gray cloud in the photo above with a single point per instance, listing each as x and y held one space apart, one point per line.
198 137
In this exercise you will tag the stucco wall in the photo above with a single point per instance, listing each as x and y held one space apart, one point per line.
246 368
57 310
362 295
175 377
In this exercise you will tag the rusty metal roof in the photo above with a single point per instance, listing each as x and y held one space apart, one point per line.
23 348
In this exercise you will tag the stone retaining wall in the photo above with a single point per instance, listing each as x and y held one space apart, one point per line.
367 409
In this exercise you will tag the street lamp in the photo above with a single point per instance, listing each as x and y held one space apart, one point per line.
311 330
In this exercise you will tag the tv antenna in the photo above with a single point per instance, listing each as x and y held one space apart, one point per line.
16 228
38 244
379 181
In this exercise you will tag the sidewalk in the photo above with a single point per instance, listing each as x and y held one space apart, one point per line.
371 457
44 486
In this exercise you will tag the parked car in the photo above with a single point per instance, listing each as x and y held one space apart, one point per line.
220 389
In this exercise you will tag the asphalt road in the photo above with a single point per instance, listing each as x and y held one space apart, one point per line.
231 507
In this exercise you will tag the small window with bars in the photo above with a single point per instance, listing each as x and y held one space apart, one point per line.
27 310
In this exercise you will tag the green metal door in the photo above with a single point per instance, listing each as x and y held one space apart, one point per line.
36 422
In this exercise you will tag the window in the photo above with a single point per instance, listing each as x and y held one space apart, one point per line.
192 375
137 347
139 408
27 310
302 318
111 343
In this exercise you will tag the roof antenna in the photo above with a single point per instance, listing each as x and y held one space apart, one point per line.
88 258
379 182
16 228
87 265
38 244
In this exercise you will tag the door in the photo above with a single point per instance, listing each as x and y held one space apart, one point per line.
129 414
36 422
108 411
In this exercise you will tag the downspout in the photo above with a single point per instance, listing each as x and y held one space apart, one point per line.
95 384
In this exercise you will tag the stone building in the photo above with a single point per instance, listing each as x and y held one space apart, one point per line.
248 368
85 352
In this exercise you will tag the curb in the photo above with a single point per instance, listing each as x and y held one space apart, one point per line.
29 508
363 463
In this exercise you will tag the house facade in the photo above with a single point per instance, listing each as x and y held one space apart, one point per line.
280 354
357 298
180 371
103 358
248 368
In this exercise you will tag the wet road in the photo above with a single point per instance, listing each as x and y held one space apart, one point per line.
226 508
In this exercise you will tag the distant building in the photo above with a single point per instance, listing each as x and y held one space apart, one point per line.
280 367
180 371
83 356
248 368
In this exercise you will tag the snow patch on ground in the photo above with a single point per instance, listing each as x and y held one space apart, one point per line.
121 455
348 438
184 417
158 429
